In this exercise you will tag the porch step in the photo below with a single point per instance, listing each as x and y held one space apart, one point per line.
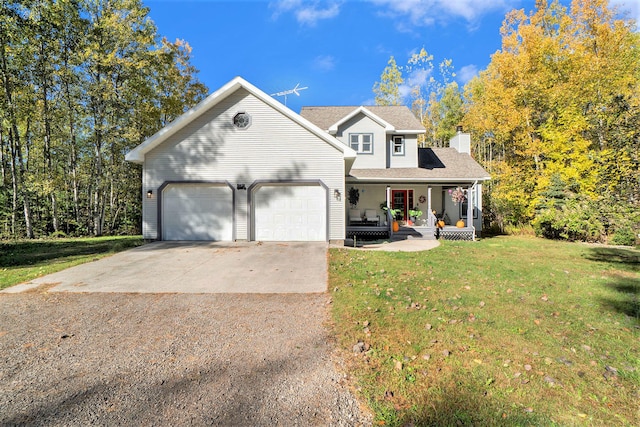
425 233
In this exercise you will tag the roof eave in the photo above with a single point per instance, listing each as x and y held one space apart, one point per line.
410 179
137 154
388 127
415 131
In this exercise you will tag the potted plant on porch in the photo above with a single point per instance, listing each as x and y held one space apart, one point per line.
394 215
414 214
354 197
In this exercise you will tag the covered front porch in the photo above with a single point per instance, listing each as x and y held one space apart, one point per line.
422 210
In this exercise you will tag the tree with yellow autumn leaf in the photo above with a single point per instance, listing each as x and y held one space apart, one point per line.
559 106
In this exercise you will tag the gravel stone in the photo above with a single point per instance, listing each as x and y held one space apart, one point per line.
170 359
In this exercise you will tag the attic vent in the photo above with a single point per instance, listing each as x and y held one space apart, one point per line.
242 120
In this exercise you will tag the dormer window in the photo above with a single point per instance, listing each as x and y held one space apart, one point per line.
362 143
397 146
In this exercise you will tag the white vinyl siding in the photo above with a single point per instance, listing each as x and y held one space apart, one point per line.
410 157
211 148
361 124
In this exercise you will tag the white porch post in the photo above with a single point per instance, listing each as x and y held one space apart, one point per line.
388 215
470 201
429 214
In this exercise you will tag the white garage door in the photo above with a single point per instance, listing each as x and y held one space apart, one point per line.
197 212
290 213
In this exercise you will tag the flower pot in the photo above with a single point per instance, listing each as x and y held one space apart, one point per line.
395 226
460 223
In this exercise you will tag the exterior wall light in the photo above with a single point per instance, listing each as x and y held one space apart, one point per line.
149 194
241 187
336 194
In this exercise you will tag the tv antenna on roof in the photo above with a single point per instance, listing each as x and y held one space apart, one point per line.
289 92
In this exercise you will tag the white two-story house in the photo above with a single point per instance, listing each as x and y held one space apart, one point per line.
242 166
391 170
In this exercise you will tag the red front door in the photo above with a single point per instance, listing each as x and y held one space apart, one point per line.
402 200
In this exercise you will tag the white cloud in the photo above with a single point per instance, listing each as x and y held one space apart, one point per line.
405 91
632 7
418 77
467 72
306 12
324 63
426 12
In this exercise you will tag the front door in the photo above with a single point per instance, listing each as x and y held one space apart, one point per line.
402 200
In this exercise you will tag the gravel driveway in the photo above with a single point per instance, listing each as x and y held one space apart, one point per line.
169 359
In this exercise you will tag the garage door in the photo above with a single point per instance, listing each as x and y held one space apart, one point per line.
290 213
197 212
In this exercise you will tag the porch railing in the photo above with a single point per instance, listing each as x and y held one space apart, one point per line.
431 219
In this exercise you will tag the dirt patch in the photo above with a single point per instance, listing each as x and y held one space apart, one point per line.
169 359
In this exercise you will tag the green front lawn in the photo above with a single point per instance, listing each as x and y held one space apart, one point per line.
24 260
503 331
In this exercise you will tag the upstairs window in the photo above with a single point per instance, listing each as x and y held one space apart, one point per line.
361 142
242 120
397 146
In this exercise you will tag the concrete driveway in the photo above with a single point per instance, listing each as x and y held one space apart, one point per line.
199 267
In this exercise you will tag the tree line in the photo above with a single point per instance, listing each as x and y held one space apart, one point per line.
81 83
555 119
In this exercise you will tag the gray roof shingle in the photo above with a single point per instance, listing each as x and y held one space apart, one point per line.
397 115
435 164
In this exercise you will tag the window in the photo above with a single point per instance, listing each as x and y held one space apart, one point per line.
398 146
242 120
361 142
464 206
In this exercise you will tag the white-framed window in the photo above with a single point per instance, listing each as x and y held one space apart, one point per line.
397 146
361 142
242 120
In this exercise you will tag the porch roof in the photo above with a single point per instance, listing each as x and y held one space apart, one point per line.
435 165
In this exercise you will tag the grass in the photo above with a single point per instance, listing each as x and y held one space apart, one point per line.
503 331
24 260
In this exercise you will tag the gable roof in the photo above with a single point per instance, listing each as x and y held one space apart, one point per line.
394 118
435 165
137 154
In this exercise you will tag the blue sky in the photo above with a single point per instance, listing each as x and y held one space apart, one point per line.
336 48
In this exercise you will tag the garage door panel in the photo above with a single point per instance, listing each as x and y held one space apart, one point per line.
197 212
290 213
